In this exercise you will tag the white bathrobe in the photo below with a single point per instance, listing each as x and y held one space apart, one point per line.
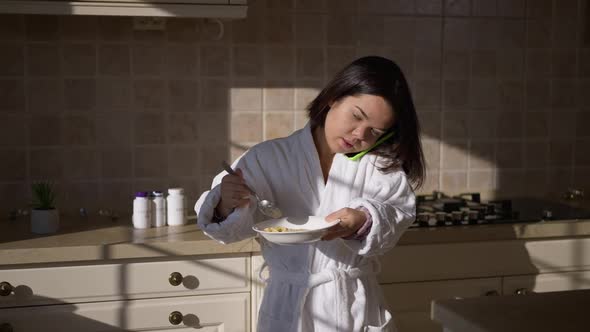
326 285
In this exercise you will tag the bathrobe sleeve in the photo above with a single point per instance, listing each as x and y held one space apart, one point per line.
238 224
390 201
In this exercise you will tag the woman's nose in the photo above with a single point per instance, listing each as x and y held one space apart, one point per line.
361 133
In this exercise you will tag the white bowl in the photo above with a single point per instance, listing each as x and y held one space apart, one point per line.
309 229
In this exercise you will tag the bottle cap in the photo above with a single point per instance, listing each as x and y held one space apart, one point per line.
175 191
157 193
141 194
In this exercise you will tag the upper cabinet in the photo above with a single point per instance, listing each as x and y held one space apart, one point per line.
164 8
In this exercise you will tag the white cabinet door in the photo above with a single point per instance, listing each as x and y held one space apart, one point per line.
546 282
410 302
105 282
225 313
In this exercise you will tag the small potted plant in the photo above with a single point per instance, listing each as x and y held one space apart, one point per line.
44 215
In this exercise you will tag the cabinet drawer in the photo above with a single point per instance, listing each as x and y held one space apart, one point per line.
72 284
228 312
483 259
416 296
547 282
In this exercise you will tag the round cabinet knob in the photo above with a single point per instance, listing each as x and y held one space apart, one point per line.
175 318
521 291
492 293
175 279
5 327
5 288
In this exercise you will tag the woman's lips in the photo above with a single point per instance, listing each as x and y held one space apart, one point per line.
345 144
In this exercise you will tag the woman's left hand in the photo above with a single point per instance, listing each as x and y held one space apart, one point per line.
350 222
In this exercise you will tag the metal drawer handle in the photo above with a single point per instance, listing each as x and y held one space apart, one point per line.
175 317
175 279
492 293
521 291
5 288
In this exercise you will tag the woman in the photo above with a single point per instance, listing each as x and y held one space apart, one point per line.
323 170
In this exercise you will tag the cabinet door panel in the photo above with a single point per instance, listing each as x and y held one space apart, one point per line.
125 281
547 282
230 312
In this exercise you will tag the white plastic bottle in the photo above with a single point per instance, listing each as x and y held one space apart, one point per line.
176 207
141 210
159 209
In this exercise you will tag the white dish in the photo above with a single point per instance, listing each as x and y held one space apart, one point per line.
308 229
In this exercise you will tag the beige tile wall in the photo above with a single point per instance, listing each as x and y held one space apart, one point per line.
502 89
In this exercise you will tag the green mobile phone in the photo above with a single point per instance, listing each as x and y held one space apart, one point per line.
359 155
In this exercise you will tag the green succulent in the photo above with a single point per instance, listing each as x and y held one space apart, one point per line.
43 195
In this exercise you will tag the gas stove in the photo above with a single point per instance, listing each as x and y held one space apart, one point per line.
439 209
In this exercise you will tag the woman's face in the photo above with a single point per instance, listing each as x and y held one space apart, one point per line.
355 123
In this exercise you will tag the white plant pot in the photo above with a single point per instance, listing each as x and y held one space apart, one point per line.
44 221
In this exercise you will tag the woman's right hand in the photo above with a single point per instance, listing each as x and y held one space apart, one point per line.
234 193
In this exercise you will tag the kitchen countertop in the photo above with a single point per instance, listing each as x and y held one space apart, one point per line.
553 311
102 239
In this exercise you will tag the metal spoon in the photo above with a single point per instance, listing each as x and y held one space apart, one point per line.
265 206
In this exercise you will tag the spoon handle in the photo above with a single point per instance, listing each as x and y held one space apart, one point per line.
231 171
227 167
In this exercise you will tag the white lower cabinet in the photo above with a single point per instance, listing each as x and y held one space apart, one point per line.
223 292
181 293
227 312
468 269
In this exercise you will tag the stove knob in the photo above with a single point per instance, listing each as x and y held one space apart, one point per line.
440 217
457 216
521 291
423 217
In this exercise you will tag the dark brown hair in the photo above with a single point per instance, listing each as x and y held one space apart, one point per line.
379 76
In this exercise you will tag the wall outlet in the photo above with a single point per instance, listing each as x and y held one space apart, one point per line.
149 23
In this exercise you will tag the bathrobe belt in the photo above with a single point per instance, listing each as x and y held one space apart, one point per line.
311 280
